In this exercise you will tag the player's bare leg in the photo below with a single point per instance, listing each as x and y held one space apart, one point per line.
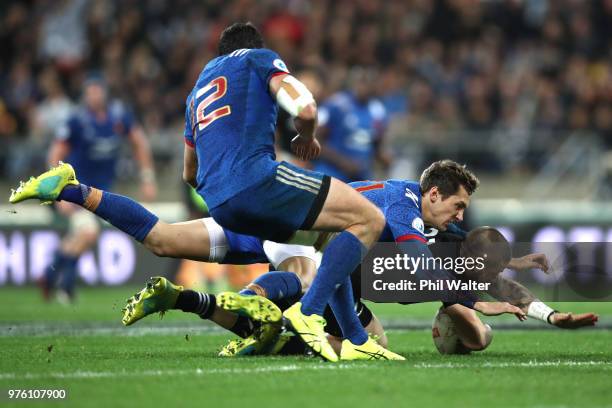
347 210
82 236
187 240
374 329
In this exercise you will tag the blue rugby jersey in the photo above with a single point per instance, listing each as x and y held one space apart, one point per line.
95 144
400 202
353 129
230 120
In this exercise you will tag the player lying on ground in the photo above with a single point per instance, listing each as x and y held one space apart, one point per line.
472 332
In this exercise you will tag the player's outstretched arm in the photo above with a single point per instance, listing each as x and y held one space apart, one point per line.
507 290
531 261
497 308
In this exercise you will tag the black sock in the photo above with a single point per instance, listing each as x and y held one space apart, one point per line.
202 304
243 327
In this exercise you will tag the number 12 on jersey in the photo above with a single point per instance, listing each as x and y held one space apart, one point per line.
219 85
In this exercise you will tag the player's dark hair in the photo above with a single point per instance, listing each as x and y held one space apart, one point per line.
238 36
448 175
490 244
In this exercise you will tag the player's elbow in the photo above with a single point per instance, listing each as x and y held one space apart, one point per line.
308 112
189 178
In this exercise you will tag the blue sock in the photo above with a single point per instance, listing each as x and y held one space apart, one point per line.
122 212
342 304
127 215
343 254
54 268
69 275
277 285
74 194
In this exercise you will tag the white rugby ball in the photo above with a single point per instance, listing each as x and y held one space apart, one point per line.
443 333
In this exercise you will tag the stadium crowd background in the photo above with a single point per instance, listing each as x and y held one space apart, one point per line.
497 84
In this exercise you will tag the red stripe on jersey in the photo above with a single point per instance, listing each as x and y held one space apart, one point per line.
370 187
410 237
278 73
189 143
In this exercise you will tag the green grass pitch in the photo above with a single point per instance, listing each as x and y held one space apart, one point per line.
85 350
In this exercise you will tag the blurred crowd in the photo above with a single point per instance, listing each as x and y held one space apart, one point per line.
503 70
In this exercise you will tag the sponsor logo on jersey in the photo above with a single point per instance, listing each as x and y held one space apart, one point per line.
278 63
418 225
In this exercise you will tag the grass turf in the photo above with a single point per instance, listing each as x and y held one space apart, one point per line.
84 350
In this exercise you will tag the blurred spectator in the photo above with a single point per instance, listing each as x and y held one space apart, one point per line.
352 124
526 68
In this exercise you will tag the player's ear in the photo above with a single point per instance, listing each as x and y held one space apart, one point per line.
434 194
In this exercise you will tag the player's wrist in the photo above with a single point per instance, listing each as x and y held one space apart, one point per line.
147 175
541 311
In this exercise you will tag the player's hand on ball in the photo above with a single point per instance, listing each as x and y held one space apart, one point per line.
573 321
305 149
531 261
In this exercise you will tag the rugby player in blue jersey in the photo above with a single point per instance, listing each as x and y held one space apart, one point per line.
229 157
90 141
352 124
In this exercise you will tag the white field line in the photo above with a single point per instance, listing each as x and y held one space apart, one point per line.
526 364
80 374
47 329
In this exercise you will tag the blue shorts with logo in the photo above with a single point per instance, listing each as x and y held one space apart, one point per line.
287 199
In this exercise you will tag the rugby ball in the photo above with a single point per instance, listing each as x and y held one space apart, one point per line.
443 333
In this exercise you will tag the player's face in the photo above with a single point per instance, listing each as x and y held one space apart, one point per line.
446 209
95 96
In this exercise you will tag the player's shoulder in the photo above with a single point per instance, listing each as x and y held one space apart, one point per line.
405 189
264 56
79 116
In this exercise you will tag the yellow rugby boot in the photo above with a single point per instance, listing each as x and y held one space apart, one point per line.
158 295
370 350
259 343
311 329
45 187
257 308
